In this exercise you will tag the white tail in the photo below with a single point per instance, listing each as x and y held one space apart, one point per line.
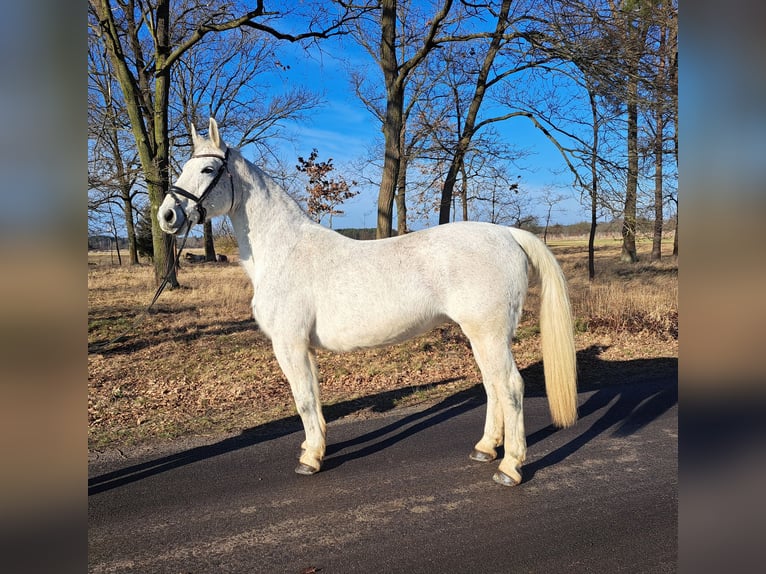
556 329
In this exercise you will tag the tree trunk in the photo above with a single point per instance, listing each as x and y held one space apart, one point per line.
401 188
210 246
163 258
675 239
401 203
592 239
395 77
629 254
130 226
547 224
464 192
658 196
635 38
117 246
659 120
390 173
162 243
392 125
445 204
152 150
593 188
469 128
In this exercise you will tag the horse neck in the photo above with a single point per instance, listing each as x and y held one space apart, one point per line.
266 219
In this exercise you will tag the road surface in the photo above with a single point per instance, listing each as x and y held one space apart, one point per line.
398 493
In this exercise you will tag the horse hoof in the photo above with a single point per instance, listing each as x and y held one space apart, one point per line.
305 469
480 456
501 478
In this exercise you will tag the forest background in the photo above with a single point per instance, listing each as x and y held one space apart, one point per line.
518 112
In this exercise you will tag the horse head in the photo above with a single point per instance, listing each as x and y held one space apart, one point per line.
199 193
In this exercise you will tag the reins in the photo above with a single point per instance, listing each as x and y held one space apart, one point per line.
174 191
99 347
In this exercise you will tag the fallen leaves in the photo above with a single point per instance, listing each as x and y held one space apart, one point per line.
199 364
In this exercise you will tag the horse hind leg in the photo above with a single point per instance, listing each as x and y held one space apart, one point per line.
511 391
505 418
486 449
298 363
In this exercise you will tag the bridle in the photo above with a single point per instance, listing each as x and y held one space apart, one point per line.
175 191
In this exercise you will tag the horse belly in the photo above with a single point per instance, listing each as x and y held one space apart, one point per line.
352 326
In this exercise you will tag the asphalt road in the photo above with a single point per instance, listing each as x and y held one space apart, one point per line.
398 493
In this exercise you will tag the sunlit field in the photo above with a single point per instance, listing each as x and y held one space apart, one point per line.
197 364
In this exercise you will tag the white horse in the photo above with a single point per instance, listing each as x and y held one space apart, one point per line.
314 288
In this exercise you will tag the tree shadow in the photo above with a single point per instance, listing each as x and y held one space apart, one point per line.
648 269
636 404
131 342
639 391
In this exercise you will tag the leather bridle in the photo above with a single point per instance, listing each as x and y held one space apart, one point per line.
175 191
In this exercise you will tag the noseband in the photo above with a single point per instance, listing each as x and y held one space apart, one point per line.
175 191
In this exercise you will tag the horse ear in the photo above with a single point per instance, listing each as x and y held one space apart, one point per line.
213 134
194 136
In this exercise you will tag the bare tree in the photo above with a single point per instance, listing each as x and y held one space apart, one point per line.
414 132
663 105
410 39
499 198
577 36
607 49
646 47
145 39
220 79
617 30
484 77
113 170
398 44
629 25
550 199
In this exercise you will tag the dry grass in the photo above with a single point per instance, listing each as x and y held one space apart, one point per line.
197 363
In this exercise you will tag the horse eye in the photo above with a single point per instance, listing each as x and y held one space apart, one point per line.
207 169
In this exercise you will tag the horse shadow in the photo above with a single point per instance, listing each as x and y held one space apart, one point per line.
629 410
633 406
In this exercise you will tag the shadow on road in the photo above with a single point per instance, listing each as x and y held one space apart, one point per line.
632 408
380 402
450 407
636 393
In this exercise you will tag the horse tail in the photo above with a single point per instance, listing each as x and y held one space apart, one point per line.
556 330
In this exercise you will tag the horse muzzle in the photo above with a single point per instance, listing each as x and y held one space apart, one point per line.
171 217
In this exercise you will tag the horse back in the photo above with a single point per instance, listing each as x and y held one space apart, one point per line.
375 293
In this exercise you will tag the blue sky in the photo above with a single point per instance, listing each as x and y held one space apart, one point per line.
343 130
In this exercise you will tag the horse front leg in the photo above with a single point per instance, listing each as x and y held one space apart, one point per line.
298 363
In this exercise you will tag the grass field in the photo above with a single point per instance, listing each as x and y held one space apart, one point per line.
197 364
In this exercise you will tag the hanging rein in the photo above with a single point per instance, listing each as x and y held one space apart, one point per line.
175 191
